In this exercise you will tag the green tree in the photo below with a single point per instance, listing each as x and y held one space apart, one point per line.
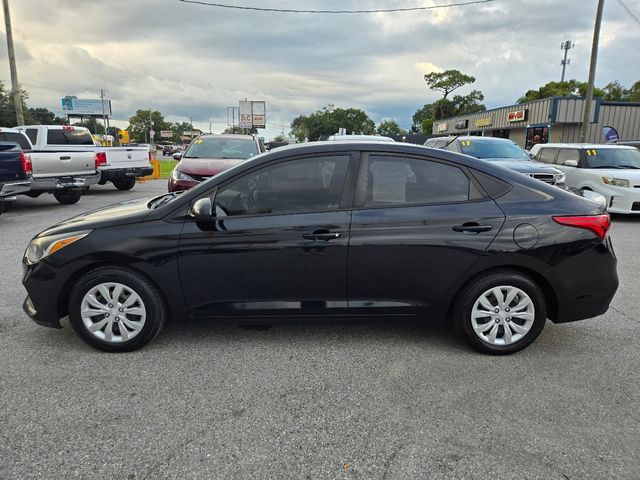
329 120
447 82
7 107
389 128
422 114
143 121
44 116
569 88
633 94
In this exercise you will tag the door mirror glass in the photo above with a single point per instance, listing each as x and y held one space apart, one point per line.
202 210
570 163
177 156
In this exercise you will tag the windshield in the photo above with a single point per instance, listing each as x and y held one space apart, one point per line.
491 149
222 147
613 158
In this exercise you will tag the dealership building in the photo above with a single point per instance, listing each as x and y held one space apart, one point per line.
555 119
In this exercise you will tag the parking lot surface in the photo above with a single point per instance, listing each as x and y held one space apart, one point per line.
335 399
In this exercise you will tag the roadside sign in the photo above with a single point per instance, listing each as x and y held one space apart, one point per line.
246 110
152 133
166 134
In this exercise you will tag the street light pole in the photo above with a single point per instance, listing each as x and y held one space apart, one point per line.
15 86
586 114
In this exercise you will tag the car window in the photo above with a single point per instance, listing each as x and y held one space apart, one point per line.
492 149
397 181
59 136
568 154
18 138
547 155
222 147
32 133
296 186
612 158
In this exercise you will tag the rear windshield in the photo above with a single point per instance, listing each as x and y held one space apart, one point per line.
612 158
490 150
221 147
59 136
18 138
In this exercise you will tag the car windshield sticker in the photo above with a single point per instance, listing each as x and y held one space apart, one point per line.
389 182
592 152
465 143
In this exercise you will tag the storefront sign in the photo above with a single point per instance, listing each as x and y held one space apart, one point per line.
484 122
462 124
517 116
442 127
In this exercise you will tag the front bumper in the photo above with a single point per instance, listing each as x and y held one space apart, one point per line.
180 185
14 188
621 199
60 182
108 175
42 285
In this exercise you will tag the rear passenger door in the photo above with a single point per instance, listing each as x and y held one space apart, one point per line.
573 173
418 225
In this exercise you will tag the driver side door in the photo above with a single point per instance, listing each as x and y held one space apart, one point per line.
278 242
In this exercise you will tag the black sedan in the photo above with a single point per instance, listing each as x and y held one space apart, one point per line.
353 228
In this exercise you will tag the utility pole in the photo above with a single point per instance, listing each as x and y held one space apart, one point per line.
566 46
592 73
15 86
104 116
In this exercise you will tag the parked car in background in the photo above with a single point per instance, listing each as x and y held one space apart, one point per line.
208 155
118 165
15 171
507 153
58 171
346 228
611 170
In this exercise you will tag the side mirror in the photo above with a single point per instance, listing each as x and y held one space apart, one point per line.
202 210
570 163
177 156
531 155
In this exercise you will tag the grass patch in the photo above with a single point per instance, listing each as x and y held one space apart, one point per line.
166 166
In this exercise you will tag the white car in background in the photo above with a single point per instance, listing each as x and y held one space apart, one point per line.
610 170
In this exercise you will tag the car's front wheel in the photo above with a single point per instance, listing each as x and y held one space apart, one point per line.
500 313
116 310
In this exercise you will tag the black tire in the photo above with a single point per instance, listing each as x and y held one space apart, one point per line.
156 312
466 299
125 184
68 196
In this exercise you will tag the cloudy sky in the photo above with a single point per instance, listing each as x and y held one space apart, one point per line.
189 60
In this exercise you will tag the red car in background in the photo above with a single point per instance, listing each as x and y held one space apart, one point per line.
209 155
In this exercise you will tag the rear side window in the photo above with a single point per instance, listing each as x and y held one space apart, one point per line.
18 138
398 181
58 136
547 155
32 133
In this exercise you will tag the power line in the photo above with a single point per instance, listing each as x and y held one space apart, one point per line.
629 11
292 10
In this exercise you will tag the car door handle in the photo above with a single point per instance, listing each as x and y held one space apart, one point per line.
472 227
322 235
65 158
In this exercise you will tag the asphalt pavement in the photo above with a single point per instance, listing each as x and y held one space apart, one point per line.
325 400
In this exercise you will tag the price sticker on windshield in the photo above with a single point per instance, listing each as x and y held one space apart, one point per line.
465 143
592 152
198 141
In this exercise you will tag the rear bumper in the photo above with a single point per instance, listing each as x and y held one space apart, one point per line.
585 284
108 175
13 188
70 181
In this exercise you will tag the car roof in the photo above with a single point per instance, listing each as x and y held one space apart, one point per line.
580 145
354 138
226 135
10 130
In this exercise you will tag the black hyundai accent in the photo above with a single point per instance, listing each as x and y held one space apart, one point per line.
332 228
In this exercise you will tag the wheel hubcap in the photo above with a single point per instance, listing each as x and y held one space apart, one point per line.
113 312
502 315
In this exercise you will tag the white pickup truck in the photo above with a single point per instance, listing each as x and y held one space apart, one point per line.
119 165
61 172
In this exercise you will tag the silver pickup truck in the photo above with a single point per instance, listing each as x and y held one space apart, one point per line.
119 165
63 173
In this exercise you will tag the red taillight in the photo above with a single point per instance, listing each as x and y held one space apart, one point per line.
101 159
68 127
598 224
25 160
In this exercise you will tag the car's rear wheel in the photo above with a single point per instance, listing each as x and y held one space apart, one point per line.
116 310
68 196
125 184
500 313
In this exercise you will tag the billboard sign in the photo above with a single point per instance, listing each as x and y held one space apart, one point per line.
85 106
484 122
166 134
245 109
517 116
258 114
